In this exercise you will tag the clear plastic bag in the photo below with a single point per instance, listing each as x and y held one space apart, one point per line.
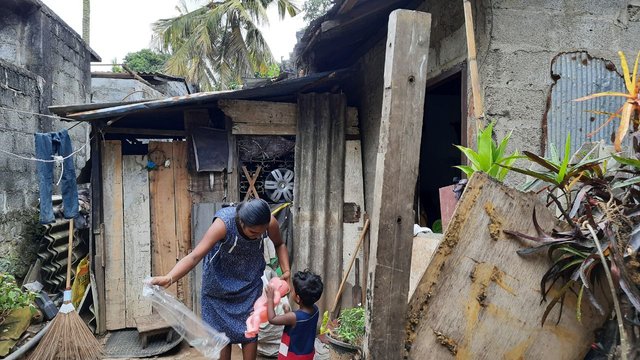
198 334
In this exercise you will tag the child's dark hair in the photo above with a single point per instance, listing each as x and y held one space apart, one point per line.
308 286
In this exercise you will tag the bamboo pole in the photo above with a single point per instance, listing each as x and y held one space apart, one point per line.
478 106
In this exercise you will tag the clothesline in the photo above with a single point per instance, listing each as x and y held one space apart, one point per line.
55 158
39 114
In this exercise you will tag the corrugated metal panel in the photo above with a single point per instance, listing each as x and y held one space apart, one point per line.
319 189
580 75
288 87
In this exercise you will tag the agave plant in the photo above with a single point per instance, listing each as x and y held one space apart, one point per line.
628 112
490 157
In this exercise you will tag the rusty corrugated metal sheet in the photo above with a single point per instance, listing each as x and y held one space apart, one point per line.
288 87
319 189
578 75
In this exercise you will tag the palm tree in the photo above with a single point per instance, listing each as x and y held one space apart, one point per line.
219 43
86 20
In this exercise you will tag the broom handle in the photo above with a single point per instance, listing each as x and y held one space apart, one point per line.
69 254
353 258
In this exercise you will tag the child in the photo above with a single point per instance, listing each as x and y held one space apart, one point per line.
300 327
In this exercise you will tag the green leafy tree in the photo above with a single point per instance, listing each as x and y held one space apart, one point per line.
219 43
146 60
313 9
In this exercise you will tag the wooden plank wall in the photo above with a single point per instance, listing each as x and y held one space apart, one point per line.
164 244
115 285
170 203
352 226
183 214
137 235
141 205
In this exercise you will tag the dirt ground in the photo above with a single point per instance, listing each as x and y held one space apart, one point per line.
185 352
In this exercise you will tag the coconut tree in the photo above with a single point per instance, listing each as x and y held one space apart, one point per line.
219 43
86 19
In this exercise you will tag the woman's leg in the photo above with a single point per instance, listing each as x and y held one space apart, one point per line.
249 351
225 354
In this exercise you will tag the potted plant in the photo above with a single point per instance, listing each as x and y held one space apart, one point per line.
345 336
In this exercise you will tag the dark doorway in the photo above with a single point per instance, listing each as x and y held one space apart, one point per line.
442 128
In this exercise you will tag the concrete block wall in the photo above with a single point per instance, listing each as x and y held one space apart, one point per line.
115 90
520 41
517 41
42 62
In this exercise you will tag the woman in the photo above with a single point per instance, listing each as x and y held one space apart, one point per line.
232 249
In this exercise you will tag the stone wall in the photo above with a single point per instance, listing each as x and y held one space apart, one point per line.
43 62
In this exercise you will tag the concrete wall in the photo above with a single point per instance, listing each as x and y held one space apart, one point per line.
115 90
42 63
517 41
447 49
526 35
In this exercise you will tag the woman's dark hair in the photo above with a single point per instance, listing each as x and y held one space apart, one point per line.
308 286
254 212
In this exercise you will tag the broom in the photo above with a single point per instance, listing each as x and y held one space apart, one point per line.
68 337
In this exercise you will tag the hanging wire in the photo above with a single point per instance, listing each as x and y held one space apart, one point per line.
45 115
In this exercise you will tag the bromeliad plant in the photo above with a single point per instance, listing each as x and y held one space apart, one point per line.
490 157
559 173
629 111
603 213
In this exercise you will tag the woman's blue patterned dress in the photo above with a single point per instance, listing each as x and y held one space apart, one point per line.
231 280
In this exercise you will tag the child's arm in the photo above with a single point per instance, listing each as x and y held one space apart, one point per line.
286 319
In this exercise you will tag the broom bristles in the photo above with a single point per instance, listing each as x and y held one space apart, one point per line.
68 338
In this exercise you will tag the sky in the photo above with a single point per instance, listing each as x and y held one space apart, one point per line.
122 26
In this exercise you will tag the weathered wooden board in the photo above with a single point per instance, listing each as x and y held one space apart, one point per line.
479 300
405 79
114 257
201 219
164 244
272 118
183 214
137 235
424 246
354 195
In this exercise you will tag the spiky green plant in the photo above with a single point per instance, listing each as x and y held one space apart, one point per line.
489 156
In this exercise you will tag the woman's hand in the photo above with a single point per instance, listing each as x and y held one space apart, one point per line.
286 275
164 281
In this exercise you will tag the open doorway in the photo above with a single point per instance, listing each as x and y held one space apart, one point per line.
442 128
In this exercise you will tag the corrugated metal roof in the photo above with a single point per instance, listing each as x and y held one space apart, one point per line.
346 31
319 197
286 88
578 75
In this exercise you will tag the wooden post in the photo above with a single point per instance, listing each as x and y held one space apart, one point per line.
405 78
478 106
97 261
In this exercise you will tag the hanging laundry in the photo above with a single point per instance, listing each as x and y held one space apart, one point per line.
56 146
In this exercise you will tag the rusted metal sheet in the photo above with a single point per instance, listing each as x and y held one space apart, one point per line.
276 90
578 74
319 197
